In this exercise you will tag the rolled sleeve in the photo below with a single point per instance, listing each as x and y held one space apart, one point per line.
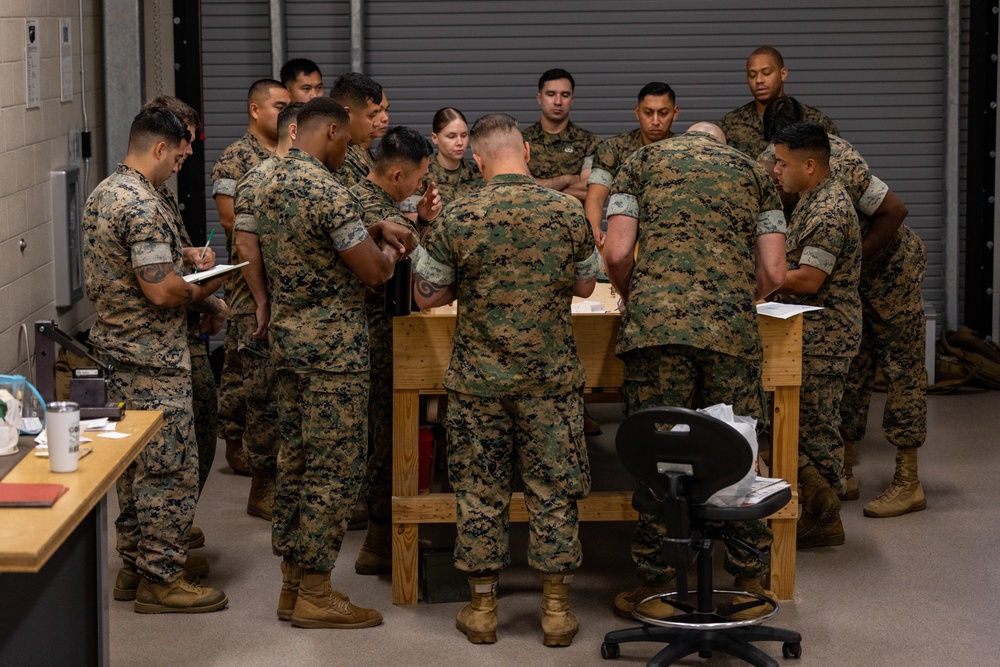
588 163
434 271
818 258
224 186
349 235
245 223
600 176
589 267
146 254
771 222
873 196
622 203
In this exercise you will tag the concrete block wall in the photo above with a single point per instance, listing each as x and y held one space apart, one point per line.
32 143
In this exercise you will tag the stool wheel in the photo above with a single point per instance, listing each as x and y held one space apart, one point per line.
791 650
610 651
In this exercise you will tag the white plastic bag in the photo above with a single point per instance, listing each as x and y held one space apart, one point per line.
747 427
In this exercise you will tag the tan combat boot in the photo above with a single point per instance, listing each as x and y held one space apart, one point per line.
478 619
816 497
625 602
852 492
177 597
905 494
559 625
751 585
319 606
375 556
128 578
261 500
196 539
236 457
291 574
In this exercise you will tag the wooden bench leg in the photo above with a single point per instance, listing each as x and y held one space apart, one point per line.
405 475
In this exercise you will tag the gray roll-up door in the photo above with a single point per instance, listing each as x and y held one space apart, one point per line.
320 31
876 68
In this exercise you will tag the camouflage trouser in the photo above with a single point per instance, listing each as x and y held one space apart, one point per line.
378 482
232 403
158 491
262 438
677 375
545 434
324 429
820 444
206 410
898 345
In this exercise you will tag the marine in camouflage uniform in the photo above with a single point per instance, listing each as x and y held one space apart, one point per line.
319 346
452 184
568 152
611 153
356 167
203 389
236 160
744 127
824 233
262 438
376 205
513 250
689 334
126 227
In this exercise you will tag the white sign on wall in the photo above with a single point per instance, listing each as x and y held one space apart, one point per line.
66 59
33 63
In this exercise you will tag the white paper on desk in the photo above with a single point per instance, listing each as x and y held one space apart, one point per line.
783 311
42 441
93 424
113 435
106 426
588 307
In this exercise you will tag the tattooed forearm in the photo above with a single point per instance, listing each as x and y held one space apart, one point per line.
154 273
426 288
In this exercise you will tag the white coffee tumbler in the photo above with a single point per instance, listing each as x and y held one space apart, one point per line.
62 429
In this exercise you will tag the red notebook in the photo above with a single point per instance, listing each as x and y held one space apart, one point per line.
30 495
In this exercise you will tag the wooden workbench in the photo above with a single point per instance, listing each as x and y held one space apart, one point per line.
422 349
53 560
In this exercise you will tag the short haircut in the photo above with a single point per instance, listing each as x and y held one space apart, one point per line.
153 125
807 137
486 133
555 75
354 90
402 144
290 71
321 110
288 115
779 114
768 51
260 90
444 117
657 89
181 109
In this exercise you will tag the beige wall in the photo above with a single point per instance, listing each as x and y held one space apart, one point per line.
32 143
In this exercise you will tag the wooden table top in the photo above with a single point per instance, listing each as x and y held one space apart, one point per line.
30 535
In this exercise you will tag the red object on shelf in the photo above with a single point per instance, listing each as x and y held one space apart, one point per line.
425 443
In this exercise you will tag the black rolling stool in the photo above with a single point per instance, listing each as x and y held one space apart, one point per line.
678 471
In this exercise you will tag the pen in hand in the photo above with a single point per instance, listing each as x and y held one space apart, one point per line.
204 250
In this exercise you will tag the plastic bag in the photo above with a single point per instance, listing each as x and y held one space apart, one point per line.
747 427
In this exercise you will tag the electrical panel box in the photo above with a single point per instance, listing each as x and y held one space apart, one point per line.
67 235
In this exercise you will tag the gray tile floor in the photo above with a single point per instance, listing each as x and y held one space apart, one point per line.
917 590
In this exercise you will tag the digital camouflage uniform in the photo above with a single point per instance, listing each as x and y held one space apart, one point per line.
126 226
568 152
824 233
377 205
262 438
610 155
744 127
204 393
892 306
236 160
357 165
513 250
689 335
319 345
451 183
